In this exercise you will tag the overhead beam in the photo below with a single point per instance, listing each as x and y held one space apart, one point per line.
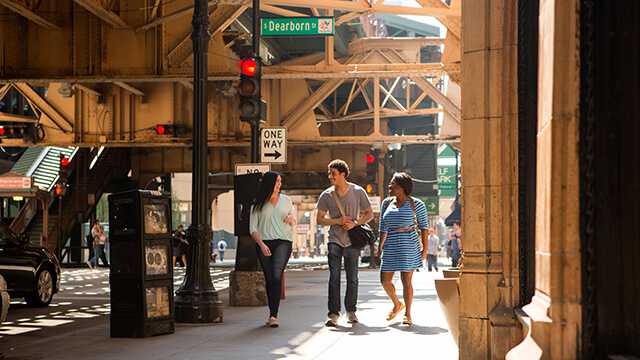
361 7
129 88
36 100
436 95
30 14
290 120
105 14
220 19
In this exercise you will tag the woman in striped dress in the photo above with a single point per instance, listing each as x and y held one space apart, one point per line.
399 242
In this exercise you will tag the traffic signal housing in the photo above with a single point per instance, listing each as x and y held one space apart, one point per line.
62 186
171 130
18 130
372 173
251 103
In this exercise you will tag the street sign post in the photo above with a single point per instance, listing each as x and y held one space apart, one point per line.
297 26
273 145
243 169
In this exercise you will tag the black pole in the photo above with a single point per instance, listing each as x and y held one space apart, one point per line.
255 124
60 231
197 300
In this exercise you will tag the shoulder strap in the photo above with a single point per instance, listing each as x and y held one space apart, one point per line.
385 205
413 208
337 197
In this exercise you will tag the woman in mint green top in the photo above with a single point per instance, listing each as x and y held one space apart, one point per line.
271 226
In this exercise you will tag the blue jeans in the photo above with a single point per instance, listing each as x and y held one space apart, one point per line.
98 252
432 261
273 268
336 253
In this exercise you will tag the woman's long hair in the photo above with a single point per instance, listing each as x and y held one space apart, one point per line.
265 190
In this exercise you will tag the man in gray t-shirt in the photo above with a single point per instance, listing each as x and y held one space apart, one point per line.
353 199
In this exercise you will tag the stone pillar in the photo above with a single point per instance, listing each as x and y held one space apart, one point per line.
489 133
555 309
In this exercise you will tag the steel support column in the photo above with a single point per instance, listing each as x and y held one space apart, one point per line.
197 300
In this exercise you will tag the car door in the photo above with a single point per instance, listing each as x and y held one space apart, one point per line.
17 264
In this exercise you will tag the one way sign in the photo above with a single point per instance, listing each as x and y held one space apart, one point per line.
273 145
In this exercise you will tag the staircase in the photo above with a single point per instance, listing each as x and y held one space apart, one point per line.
92 171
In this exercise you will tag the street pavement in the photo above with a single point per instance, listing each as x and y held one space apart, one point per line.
77 326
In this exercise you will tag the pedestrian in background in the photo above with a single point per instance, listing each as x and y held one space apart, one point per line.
271 227
455 242
222 247
353 199
399 242
99 241
432 250
178 240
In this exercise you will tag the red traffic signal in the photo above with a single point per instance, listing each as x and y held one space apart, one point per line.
170 129
249 66
64 161
371 158
61 189
369 188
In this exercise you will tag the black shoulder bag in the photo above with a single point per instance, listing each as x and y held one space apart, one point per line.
360 235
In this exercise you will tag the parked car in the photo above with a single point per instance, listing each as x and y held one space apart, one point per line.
30 271
4 300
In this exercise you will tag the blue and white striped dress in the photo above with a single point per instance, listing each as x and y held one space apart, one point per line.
401 251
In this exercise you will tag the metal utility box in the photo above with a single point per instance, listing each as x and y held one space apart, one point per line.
141 264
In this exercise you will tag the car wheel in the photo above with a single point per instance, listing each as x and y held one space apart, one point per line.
43 291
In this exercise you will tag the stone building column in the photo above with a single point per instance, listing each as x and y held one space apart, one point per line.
489 130
555 309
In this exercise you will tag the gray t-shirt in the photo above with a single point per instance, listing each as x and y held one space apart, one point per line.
353 201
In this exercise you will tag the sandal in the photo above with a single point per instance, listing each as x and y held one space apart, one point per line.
407 320
393 313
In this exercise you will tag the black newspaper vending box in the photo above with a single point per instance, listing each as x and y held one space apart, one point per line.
141 264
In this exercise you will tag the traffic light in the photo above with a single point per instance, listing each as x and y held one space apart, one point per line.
62 186
251 103
171 130
372 173
16 130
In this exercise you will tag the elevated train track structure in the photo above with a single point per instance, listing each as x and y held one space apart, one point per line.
113 71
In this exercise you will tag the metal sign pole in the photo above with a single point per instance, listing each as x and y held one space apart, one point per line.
255 124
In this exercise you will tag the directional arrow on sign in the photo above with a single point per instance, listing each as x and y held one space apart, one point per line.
275 154
432 206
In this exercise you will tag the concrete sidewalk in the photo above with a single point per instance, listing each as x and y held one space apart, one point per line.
301 335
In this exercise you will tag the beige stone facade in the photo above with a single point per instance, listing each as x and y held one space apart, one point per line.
489 276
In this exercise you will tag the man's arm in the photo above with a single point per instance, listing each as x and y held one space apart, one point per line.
322 220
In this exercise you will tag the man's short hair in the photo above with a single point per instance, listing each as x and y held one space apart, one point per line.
340 165
457 222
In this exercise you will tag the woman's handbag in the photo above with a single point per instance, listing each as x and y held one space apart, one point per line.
360 235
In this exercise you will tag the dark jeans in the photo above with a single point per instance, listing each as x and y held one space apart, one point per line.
273 268
336 253
432 261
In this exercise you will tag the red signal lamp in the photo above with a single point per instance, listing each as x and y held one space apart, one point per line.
161 129
248 66
1 131
370 159
58 189
369 188
64 161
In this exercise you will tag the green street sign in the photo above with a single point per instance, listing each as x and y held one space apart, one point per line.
447 181
432 204
297 26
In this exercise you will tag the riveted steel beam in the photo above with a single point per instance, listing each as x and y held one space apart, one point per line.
103 13
29 11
